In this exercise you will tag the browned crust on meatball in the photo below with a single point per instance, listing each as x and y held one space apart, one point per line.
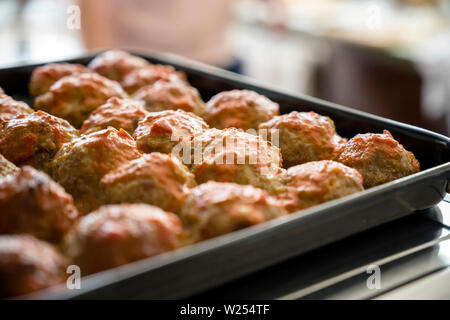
157 179
44 77
232 155
215 208
115 235
379 158
6 167
116 112
80 164
34 139
9 108
30 202
162 131
116 64
315 182
304 137
242 109
171 96
28 265
142 77
74 97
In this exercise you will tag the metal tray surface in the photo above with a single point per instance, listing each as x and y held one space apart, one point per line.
194 269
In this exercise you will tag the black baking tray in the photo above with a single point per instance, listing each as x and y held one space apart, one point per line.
191 270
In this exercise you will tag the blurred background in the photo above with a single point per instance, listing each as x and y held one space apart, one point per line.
387 57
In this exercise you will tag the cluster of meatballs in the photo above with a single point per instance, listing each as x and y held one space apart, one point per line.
95 174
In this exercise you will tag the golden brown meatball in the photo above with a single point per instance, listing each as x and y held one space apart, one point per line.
30 202
379 158
215 208
74 97
232 155
171 96
34 139
115 235
28 265
142 77
116 64
116 112
80 164
155 178
6 167
9 108
242 109
44 77
315 182
304 137
162 131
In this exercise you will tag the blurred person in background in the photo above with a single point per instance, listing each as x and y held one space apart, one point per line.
193 29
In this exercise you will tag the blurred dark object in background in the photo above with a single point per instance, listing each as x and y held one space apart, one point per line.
389 58
376 83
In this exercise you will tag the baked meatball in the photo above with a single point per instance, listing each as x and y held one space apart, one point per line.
155 178
315 182
74 97
162 131
171 96
232 155
27 265
116 112
216 208
9 108
379 158
116 64
80 164
304 137
44 77
115 235
34 139
6 167
142 77
30 202
242 109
